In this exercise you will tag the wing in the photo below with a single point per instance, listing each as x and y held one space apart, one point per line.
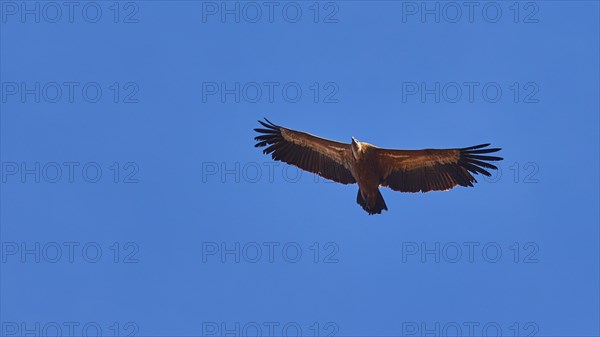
434 170
310 153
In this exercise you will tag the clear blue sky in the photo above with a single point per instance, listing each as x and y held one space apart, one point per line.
160 98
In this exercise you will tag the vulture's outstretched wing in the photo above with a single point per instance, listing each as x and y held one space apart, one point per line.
311 153
434 170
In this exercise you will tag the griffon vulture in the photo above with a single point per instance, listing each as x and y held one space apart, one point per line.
370 166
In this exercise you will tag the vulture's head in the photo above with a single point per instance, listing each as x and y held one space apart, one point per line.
356 147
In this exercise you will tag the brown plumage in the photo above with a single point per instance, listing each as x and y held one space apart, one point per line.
370 166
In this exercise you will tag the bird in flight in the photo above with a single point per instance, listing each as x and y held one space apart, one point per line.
370 166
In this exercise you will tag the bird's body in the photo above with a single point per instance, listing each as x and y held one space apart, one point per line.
371 167
366 171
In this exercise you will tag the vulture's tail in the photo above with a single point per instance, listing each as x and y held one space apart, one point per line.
375 205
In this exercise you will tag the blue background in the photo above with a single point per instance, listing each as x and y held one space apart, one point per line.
174 207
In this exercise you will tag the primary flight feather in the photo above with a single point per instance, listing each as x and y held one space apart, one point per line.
370 166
